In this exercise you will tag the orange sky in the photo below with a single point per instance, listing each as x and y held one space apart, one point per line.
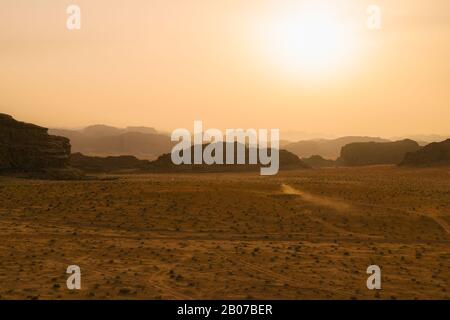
166 63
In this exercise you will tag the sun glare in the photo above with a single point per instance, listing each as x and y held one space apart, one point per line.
313 41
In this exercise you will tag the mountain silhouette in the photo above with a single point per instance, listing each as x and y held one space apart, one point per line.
319 162
287 161
326 148
433 154
101 140
373 153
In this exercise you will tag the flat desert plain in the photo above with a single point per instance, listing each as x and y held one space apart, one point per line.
304 234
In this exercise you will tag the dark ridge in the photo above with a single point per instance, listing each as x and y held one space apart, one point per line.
326 148
433 154
373 153
107 164
317 161
287 161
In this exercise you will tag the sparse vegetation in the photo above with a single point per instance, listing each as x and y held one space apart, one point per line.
233 236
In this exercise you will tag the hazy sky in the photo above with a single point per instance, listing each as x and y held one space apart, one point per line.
296 65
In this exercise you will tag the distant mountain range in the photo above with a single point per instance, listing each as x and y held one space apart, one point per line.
423 139
28 148
326 148
287 161
101 140
164 164
148 143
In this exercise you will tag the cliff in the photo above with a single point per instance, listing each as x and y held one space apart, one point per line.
29 148
373 153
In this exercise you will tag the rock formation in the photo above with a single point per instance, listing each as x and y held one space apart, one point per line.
287 161
107 164
29 151
372 153
27 147
433 154
326 148
319 162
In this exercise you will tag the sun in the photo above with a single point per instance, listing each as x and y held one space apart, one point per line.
308 41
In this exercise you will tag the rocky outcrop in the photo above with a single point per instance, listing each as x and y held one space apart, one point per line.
433 154
287 161
27 147
107 164
326 148
372 153
319 162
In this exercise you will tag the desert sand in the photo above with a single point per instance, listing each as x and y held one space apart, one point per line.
305 234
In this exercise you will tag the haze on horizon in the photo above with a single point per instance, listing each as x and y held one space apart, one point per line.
229 63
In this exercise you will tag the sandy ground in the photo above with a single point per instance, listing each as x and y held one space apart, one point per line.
300 235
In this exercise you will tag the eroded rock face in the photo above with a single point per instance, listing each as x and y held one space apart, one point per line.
373 153
26 147
433 154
